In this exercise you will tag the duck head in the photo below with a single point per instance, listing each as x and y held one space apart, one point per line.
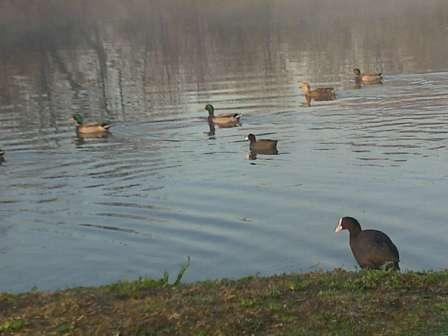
305 86
78 119
357 72
210 109
251 138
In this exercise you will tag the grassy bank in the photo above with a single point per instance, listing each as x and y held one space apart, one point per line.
318 303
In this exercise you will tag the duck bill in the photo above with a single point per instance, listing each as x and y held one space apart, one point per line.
339 227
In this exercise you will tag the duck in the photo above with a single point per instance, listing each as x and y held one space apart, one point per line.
2 155
263 146
222 120
372 249
318 94
367 78
89 128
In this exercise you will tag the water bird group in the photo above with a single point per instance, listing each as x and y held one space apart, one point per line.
372 249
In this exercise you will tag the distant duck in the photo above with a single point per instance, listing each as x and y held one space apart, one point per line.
318 94
263 146
371 248
89 128
2 155
367 78
222 120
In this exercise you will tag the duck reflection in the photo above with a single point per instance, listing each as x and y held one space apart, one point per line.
212 131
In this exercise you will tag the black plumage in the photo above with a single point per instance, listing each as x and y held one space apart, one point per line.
263 146
371 248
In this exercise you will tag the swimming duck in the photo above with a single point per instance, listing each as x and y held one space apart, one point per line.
89 128
263 146
319 94
367 78
371 248
222 120
2 153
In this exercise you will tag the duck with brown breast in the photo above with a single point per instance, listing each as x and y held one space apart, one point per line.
367 78
318 94
91 127
222 120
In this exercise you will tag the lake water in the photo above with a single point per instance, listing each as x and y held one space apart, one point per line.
85 211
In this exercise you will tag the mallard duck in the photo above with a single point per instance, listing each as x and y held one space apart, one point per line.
263 146
89 128
367 78
318 94
222 120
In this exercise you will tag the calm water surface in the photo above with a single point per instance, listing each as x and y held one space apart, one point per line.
85 211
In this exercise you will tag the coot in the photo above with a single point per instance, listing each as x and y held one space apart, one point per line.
371 248
263 146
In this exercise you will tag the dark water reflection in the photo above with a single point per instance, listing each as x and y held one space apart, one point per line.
165 185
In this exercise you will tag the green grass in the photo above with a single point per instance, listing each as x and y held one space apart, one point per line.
137 287
317 303
11 325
